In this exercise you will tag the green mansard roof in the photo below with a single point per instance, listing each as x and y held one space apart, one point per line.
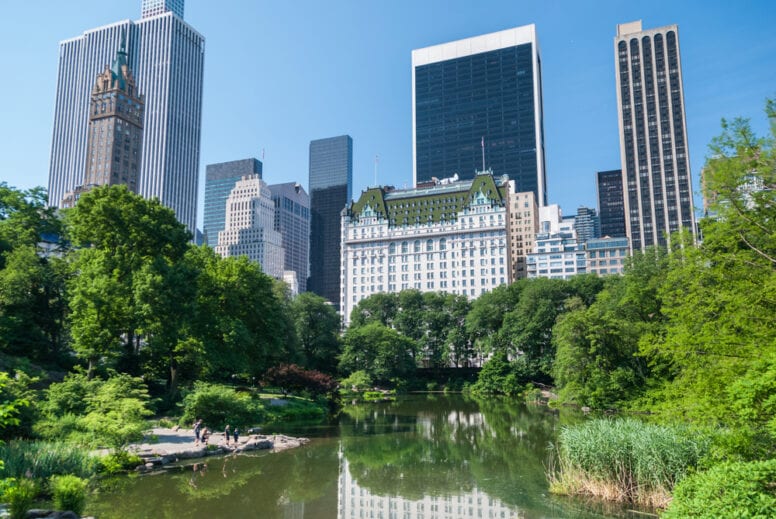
427 204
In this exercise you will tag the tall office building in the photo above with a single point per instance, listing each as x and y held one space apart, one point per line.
330 183
115 131
250 226
219 180
586 224
292 221
522 226
480 100
167 58
653 134
611 205
153 7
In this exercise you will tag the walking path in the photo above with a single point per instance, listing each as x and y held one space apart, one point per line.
163 445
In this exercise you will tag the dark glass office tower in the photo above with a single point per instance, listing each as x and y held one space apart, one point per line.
481 92
219 181
611 208
653 134
331 178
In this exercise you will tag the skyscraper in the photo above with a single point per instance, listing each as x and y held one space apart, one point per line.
480 100
586 224
219 180
115 130
292 221
653 134
167 58
249 229
330 183
611 209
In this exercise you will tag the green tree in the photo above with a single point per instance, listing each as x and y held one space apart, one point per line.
118 234
382 353
380 308
117 411
317 325
24 217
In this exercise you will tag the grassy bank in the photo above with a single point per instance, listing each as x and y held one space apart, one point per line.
624 460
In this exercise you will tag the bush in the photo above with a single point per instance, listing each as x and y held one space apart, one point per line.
20 496
41 459
292 378
118 462
626 460
218 406
745 490
357 381
69 493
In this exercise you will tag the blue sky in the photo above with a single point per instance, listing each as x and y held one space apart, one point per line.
281 73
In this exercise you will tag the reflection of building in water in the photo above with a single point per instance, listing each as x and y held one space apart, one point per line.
291 509
354 502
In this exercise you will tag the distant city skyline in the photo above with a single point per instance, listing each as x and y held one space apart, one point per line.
335 76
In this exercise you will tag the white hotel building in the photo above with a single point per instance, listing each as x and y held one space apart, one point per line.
442 236
167 57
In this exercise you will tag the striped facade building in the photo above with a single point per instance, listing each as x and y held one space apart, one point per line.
166 56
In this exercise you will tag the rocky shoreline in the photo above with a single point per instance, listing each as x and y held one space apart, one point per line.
174 445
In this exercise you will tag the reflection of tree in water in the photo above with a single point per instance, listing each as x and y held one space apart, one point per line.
234 486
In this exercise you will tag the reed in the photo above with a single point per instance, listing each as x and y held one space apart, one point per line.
624 460
42 459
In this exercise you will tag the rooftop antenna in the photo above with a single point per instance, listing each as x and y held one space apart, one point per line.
262 154
377 161
483 153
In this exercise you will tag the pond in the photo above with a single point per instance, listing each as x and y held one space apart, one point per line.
421 457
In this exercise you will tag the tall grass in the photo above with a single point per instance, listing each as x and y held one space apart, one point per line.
625 460
41 460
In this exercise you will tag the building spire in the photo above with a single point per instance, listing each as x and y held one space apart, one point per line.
120 62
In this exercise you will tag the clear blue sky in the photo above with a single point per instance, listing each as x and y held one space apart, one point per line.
281 73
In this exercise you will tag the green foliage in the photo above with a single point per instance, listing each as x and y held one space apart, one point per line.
382 353
118 462
218 406
498 376
69 493
15 400
20 496
117 411
743 490
636 457
317 325
295 409
357 381
41 460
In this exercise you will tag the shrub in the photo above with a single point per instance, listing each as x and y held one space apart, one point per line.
69 493
746 490
626 460
292 378
41 459
20 496
357 381
118 462
219 405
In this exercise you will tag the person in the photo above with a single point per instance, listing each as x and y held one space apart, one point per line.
236 434
197 430
227 434
205 435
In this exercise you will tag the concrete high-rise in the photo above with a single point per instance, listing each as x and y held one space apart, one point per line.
330 183
250 226
611 206
653 134
167 58
477 104
115 131
292 221
219 180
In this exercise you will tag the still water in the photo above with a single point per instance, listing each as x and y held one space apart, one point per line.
422 457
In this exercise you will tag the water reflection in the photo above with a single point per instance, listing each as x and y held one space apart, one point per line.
419 458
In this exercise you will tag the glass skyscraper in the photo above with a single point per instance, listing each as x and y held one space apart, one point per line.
477 104
292 221
167 57
611 207
653 134
219 181
330 183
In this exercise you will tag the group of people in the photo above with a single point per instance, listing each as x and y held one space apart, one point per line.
202 433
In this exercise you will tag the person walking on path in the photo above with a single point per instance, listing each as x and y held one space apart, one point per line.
197 430
236 435
227 434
